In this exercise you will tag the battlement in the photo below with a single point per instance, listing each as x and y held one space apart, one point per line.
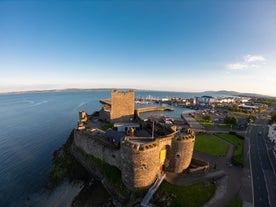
139 144
120 108
139 158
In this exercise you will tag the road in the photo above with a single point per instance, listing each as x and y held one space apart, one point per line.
263 177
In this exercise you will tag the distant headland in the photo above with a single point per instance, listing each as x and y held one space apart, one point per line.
217 93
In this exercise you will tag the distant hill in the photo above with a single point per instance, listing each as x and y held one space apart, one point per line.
209 93
235 93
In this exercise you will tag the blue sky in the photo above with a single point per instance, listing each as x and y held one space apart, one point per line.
160 45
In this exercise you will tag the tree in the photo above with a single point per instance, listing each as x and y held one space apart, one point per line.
230 120
234 120
206 117
251 117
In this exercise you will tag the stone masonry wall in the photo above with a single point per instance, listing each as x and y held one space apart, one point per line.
93 147
140 166
140 163
181 153
122 108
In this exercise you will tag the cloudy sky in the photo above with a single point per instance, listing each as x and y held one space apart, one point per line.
160 45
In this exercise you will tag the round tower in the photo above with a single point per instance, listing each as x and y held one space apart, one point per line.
181 152
139 164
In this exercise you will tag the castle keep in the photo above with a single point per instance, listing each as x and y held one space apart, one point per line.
139 156
120 108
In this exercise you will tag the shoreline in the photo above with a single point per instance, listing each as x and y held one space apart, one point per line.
71 194
62 195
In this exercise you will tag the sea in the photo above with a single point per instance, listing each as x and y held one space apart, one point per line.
33 125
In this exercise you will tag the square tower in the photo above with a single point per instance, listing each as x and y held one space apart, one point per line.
122 106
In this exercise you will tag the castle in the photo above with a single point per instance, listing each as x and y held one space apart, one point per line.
139 155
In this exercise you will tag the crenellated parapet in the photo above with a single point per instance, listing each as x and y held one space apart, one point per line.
140 159
138 145
182 151
139 163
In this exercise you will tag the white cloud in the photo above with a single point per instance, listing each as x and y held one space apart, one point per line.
249 62
253 58
237 66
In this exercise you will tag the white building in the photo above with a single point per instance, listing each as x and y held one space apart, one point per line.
272 133
226 100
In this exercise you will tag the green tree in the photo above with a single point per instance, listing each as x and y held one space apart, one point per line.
234 120
206 117
230 120
251 117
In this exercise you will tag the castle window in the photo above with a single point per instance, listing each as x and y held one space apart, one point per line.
144 166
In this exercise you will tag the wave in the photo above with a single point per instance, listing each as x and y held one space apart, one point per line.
39 103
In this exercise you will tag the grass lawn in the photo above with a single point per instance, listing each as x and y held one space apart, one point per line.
225 126
189 196
210 144
235 203
237 157
206 123
240 113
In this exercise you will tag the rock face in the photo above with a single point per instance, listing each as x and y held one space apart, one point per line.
138 161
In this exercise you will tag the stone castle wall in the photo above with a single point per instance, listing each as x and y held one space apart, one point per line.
122 108
181 153
140 163
93 147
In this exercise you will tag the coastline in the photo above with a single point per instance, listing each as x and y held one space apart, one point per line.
71 194
62 195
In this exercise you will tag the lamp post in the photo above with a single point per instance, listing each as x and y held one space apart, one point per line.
152 134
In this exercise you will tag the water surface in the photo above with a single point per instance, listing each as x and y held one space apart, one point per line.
32 126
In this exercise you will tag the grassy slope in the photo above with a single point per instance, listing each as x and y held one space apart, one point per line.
238 153
190 196
210 145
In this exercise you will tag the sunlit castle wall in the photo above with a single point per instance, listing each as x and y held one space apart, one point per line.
122 108
181 152
93 146
140 164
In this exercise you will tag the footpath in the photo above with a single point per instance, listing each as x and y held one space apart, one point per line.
233 183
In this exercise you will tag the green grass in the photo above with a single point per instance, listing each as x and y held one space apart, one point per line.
113 174
240 113
235 203
106 126
65 165
237 157
206 123
210 144
189 196
226 126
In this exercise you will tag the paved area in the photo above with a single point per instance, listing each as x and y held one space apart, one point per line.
264 180
232 182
